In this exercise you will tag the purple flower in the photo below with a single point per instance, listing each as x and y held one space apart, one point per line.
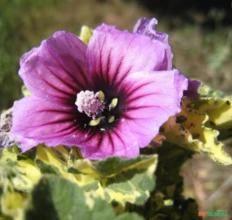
109 97
192 91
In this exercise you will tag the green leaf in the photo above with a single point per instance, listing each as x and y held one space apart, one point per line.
191 129
125 181
57 198
85 34
102 210
217 106
13 204
115 166
17 179
129 216
67 163
113 179
20 175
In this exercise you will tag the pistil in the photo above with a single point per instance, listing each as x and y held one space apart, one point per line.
94 106
90 103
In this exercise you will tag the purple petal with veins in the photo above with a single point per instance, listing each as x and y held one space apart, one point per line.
147 27
109 98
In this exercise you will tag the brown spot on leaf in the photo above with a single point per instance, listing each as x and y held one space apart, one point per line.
196 135
181 119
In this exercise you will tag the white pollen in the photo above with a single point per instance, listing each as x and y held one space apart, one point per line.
88 102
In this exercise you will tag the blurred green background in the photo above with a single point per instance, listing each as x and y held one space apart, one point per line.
200 33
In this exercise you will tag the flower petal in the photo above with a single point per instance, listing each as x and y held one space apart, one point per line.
116 142
37 121
56 69
147 27
151 101
113 54
192 91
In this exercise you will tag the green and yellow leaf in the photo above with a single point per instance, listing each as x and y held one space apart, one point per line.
191 129
86 33
113 179
217 106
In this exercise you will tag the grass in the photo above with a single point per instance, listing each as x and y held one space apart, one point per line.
15 17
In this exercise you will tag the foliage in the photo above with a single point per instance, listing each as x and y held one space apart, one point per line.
63 199
59 181
167 200
112 179
85 34
196 127
71 186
